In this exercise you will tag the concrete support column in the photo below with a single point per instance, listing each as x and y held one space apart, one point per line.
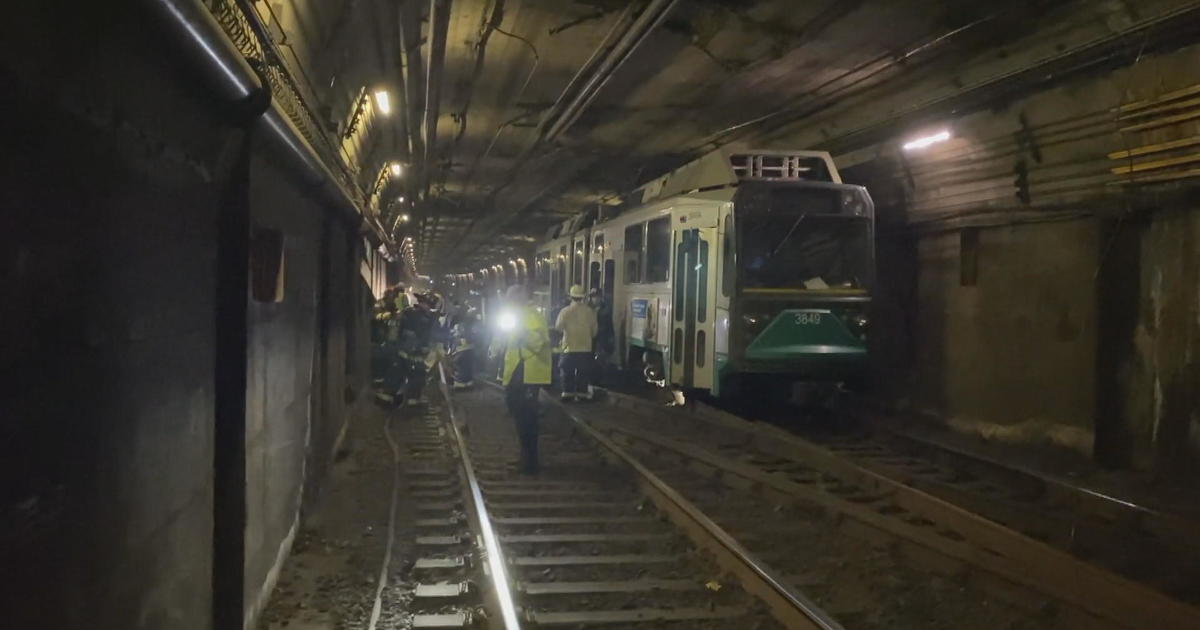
1175 314
1118 296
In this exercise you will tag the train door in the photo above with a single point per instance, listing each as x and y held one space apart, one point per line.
693 303
558 281
605 284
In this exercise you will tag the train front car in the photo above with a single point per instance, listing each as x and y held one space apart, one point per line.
802 275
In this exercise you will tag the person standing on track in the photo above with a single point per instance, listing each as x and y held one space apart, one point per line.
578 325
525 341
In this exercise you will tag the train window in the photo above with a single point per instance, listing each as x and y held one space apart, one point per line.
702 282
542 269
561 266
598 245
634 236
658 249
728 270
577 264
797 239
701 343
677 306
594 275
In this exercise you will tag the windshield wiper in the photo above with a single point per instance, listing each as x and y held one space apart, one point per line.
788 235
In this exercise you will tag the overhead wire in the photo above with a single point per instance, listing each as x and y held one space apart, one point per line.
537 58
520 92
584 86
488 25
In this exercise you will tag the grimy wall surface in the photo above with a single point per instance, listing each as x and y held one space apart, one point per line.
1034 287
110 181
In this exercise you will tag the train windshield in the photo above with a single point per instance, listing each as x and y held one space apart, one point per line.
806 238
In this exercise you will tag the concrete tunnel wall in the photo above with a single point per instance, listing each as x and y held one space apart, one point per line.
107 246
1081 327
1017 348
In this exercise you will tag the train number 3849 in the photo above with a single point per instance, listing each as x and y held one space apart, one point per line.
808 319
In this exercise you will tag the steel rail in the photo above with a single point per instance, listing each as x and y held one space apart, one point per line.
381 583
1012 555
789 605
1151 520
491 543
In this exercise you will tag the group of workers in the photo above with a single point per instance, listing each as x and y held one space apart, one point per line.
527 345
415 330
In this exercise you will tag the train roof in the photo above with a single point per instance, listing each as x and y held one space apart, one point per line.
736 163
722 168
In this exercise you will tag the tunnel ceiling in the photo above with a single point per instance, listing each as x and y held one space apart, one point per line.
544 107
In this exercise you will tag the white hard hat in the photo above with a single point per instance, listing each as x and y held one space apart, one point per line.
577 291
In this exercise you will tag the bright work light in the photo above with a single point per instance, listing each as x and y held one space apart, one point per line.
383 101
395 169
507 321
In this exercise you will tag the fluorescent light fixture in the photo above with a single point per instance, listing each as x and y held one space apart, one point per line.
923 142
395 167
383 101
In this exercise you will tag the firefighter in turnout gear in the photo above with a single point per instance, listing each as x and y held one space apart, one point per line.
416 324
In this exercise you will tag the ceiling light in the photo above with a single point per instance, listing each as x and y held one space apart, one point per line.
400 199
404 218
921 143
395 166
383 101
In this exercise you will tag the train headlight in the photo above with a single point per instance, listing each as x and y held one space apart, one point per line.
507 322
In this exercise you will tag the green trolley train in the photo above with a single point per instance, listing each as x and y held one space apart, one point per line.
742 268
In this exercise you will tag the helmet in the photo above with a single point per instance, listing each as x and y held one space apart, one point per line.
577 292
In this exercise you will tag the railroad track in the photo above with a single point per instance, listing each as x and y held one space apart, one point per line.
1155 548
596 539
834 495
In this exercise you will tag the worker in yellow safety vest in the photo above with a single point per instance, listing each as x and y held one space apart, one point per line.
523 337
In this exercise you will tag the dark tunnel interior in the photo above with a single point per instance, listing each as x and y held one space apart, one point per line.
929 269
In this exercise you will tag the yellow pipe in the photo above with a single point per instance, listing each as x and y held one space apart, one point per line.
1154 148
1157 164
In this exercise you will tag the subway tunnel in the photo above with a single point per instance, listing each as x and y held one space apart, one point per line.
932 267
